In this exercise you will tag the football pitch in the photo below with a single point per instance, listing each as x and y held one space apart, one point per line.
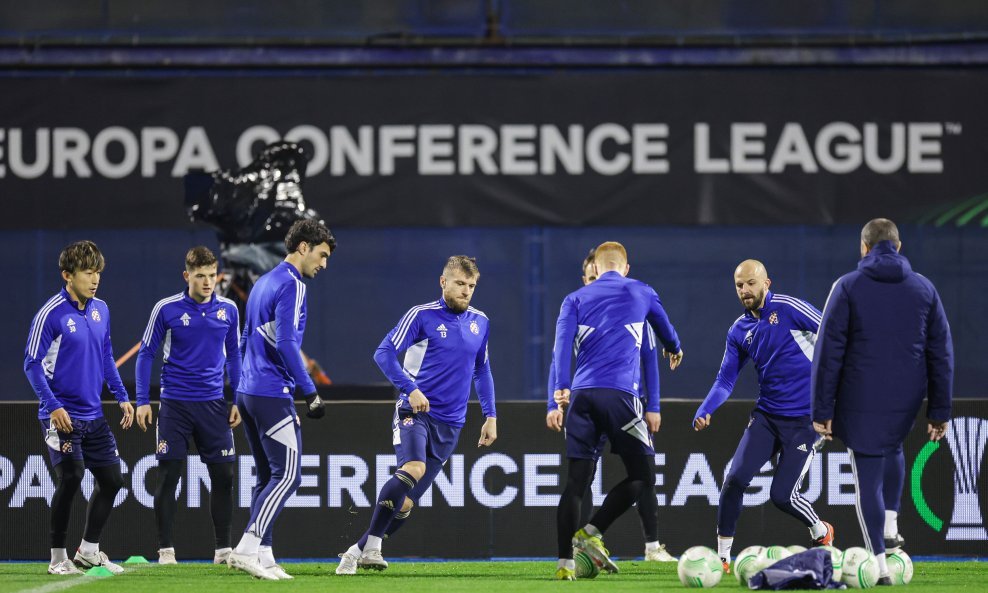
412 577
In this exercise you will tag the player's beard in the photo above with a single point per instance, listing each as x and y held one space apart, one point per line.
756 302
456 306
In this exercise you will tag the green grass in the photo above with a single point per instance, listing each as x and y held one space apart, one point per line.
429 577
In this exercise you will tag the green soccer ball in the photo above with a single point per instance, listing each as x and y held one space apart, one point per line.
837 561
585 567
900 567
747 563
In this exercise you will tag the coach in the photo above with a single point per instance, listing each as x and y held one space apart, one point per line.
884 344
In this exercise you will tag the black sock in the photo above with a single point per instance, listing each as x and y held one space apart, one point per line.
625 493
68 476
397 522
586 508
109 481
648 507
221 501
169 473
579 475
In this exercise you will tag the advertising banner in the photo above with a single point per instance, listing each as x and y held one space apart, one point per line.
498 502
577 147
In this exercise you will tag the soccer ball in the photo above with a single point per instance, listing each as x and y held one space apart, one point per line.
585 567
795 549
773 554
748 563
700 567
837 560
859 569
900 567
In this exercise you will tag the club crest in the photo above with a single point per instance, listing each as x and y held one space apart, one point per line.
474 328
162 447
67 447
408 421
221 314
773 318
95 315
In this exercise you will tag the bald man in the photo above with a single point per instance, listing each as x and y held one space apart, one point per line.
777 332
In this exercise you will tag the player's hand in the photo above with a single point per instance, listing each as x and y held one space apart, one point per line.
128 415
554 420
314 407
654 421
823 429
61 420
144 417
234 418
936 430
488 433
561 397
674 359
418 401
701 422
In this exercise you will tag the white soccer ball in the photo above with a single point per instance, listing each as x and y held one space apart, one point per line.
700 567
836 560
859 568
795 549
900 567
773 554
585 566
747 563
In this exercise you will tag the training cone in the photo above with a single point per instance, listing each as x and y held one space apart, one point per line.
136 560
98 571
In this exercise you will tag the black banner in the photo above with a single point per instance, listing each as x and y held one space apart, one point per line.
700 146
501 501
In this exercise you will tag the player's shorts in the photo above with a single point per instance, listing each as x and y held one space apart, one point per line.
599 412
90 441
420 437
205 422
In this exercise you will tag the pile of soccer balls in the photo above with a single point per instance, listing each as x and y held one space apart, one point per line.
857 568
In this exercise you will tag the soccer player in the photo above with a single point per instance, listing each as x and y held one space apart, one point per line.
68 358
201 332
884 346
607 321
647 505
777 332
445 345
272 369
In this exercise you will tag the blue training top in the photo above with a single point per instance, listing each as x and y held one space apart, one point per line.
780 342
272 339
606 319
443 351
69 356
198 339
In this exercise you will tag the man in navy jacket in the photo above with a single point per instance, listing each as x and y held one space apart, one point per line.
884 345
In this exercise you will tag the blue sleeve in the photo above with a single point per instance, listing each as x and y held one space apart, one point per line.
483 380
566 326
551 404
43 332
828 353
805 316
234 362
650 370
145 356
659 320
287 311
731 365
398 340
110 373
939 363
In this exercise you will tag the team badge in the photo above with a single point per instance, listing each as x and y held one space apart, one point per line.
748 337
95 315
221 314
773 318
474 328
408 421
67 447
162 447
71 325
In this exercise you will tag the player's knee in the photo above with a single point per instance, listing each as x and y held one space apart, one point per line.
70 475
416 469
734 482
781 498
170 472
221 476
406 507
110 481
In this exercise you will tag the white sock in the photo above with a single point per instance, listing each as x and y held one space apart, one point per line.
266 556
818 530
651 546
373 543
354 550
883 567
89 548
160 550
591 530
891 523
724 547
248 545
222 551
58 554
566 563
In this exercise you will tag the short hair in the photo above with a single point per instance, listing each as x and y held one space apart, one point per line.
80 256
199 257
463 263
878 230
589 259
309 231
608 250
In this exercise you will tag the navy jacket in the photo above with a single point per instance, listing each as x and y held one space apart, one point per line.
884 345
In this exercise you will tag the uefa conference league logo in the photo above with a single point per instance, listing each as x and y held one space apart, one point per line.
967 438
